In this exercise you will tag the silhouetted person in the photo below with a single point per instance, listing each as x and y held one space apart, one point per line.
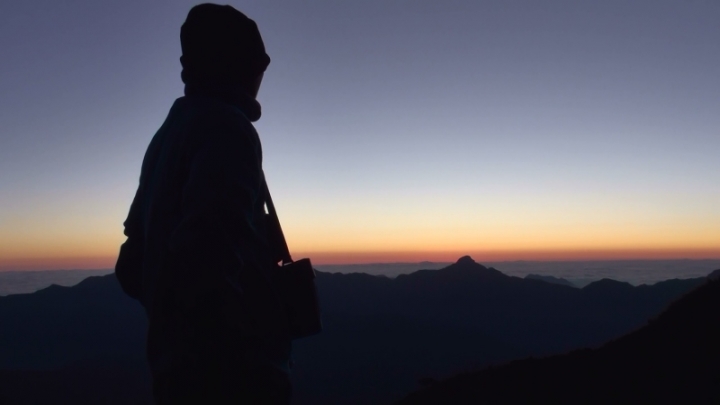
197 255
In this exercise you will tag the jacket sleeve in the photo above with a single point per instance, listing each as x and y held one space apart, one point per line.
223 184
128 268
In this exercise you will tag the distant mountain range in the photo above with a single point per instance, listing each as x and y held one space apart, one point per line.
25 282
579 273
85 344
674 359
550 279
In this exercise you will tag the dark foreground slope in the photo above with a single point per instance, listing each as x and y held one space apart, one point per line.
85 344
674 359
73 345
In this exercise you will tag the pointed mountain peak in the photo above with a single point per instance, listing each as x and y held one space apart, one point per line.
465 260
466 264
464 270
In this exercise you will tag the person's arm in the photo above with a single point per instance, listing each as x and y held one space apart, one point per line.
128 268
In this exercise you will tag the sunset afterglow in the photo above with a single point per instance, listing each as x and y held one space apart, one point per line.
444 130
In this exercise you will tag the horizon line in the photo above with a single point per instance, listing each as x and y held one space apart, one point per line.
400 258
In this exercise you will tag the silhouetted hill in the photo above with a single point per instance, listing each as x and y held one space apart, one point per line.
57 326
530 314
112 383
674 359
550 279
73 345
381 335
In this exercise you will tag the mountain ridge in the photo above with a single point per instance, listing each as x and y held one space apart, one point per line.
673 359
381 334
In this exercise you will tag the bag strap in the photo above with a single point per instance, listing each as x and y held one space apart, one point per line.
275 223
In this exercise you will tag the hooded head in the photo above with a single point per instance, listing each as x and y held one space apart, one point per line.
223 54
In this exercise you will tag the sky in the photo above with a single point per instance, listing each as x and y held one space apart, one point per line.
392 130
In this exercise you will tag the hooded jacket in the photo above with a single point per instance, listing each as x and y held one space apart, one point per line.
197 250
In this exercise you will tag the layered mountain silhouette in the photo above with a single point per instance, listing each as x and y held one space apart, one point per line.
381 335
550 279
73 345
674 359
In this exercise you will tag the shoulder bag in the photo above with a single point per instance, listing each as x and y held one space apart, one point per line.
295 280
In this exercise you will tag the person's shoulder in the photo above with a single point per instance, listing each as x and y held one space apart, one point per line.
210 112
214 120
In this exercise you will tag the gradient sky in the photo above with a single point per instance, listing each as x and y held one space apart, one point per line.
392 130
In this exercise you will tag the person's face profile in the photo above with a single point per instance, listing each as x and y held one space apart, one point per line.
254 85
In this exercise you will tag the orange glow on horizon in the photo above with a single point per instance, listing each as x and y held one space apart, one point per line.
58 263
365 257
507 255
